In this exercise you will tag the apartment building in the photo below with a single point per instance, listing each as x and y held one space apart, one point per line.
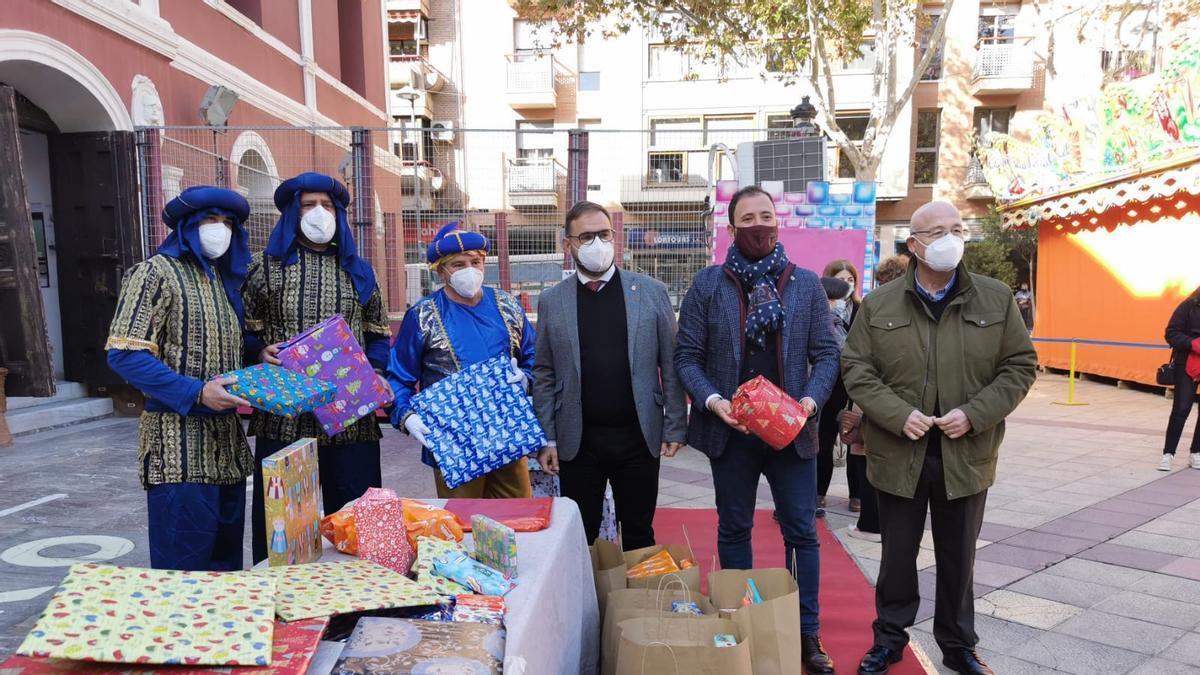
503 74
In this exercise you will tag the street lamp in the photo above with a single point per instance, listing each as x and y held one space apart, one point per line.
411 95
802 119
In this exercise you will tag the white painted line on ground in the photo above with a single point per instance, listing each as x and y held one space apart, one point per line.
23 594
29 505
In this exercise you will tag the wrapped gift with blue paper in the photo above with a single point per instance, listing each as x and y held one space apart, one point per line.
478 421
280 391
495 545
473 574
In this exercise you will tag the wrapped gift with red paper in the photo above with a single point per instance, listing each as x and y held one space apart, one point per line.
382 537
329 352
767 412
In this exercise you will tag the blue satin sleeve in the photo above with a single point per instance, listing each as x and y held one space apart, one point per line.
154 379
404 365
528 339
377 349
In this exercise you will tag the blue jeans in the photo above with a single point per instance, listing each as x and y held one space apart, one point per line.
196 527
793 484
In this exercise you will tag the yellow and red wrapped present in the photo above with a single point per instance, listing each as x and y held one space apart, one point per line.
768 413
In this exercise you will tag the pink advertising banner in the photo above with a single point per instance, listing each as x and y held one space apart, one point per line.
810 249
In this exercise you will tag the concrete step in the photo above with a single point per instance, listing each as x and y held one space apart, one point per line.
30 419
64 391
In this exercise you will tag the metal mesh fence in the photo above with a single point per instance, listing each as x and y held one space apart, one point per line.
513 185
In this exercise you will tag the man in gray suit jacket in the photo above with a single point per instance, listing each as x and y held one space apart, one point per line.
604 383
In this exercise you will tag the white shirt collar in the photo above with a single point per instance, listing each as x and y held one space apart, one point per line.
606 277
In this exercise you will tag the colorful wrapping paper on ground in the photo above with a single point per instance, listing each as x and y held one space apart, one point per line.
407 646
324 589
133 615
292 651
478 421
767 412
291 501
279 391
329 352
495 545
429 548
382 537
479 609
522 515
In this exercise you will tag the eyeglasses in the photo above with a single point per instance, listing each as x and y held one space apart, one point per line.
588 237
959 232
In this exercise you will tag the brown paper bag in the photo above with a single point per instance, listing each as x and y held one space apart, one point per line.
633 603
608 569
666 645
772 626
680 552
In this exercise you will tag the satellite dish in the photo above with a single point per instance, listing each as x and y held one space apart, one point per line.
217 105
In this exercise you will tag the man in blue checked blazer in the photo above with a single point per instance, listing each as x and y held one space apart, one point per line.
758 314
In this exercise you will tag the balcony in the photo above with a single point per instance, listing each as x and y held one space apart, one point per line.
531 81
976 186
533 181
1002 68
413 73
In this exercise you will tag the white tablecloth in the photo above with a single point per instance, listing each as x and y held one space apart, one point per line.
552 620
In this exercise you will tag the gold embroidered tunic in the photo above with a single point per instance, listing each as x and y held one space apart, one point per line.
283 301
171 309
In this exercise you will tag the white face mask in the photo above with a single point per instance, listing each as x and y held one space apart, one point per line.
944 253
318 225
214 239
596 257
467 282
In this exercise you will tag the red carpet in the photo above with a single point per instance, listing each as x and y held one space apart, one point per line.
847 600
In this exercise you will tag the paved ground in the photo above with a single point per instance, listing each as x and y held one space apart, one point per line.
1089 560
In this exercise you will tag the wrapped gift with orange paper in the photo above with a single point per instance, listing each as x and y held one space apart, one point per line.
768 413
659 563
423 520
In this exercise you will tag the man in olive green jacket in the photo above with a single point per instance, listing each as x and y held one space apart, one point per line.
936 360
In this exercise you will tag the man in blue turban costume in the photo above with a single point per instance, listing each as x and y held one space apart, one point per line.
177 326
460 324
309 272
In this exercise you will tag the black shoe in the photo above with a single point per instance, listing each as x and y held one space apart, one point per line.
820 513
816 659
879 659
966 662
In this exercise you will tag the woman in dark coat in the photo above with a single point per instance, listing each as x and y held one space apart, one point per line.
1183 331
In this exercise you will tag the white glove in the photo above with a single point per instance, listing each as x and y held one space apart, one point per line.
517 376
416 428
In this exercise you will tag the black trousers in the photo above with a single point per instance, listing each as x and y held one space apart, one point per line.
346 472
868 517
1181 407
956 526
828 430
616 455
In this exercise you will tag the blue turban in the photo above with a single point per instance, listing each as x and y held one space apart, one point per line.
184 214
285 242
450 240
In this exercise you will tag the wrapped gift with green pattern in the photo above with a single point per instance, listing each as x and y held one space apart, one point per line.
280 391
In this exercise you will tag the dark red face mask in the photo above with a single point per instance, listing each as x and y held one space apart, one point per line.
755 242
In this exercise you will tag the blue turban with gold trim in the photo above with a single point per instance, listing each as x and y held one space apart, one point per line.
450 240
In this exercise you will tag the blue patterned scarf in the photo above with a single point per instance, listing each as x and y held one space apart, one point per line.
765 312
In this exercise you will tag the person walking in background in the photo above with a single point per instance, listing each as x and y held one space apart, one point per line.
458 325
604 383
1183 335
193 458
844 308
850 427
760 315
1025 304
936 362
309 272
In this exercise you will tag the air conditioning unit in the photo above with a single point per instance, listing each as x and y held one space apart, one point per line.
443 131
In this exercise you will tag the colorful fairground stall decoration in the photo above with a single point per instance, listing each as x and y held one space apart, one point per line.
1112 185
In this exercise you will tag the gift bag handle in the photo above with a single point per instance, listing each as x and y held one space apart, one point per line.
675 579
659 644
